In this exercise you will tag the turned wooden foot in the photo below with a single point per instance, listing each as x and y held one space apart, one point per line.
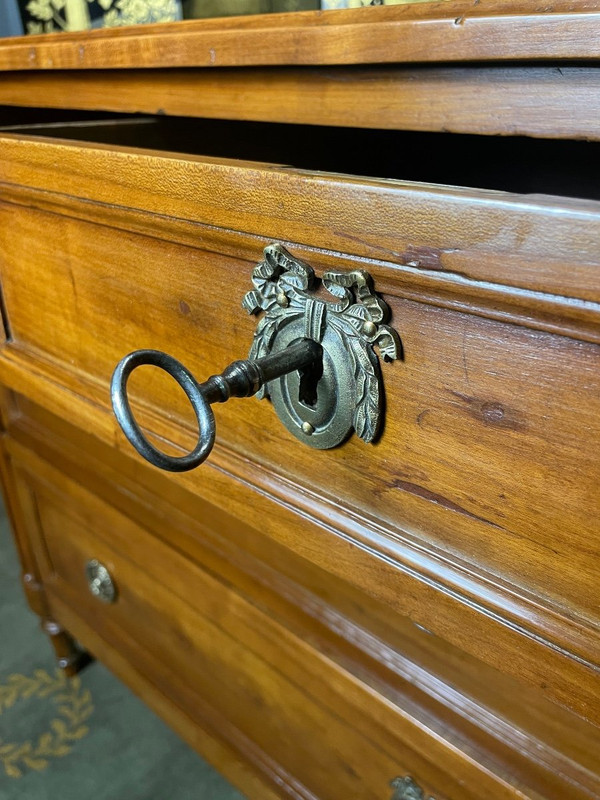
69 655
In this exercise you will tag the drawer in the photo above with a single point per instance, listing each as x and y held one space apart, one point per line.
308 724
475 514
434 695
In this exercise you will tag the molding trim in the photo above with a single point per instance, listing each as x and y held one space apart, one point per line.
470 607
430 704
570 316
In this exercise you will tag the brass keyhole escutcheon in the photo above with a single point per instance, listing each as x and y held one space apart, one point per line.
407 789
325 401
315 358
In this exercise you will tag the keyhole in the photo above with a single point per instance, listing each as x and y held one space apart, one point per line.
309 379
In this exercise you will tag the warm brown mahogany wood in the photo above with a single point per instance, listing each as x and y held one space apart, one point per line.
464 379
292 590
249 662
454 246
75 525
537 101
317 623
463 30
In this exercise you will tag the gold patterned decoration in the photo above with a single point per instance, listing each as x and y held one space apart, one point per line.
49 16
73 706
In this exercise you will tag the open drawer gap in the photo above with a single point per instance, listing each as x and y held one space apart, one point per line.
519 165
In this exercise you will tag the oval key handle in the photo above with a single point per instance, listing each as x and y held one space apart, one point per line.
239 379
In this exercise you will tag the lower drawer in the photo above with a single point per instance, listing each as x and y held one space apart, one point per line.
308 724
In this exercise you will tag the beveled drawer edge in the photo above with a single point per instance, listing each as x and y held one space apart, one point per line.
444 229
399 97
495 598
453 753
573 636
572 317
212 719
526 628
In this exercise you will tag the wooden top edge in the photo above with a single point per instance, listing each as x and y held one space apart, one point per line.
426 32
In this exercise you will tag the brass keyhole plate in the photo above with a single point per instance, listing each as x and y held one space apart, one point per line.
329 421
348 394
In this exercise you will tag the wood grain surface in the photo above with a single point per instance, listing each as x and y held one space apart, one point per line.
76 526
523 257
508 393
317 623
543 101
459 30
252 667
69 655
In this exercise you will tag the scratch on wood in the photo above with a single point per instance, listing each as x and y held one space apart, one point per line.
424 257
72 281
422 415
438 499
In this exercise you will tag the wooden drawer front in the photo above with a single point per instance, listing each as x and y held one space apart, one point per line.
327 735
484 483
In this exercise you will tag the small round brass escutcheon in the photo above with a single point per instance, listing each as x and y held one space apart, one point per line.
282 300
369 328
100 583
307 428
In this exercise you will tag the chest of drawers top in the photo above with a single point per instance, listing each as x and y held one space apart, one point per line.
489 67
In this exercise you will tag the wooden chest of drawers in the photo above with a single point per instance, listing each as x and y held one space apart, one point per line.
417 615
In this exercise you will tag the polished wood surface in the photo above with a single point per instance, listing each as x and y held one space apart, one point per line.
484 358
494 100
318 623
421 696
459 30
396 67
250 665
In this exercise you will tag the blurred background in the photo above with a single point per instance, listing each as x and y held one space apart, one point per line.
51 16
